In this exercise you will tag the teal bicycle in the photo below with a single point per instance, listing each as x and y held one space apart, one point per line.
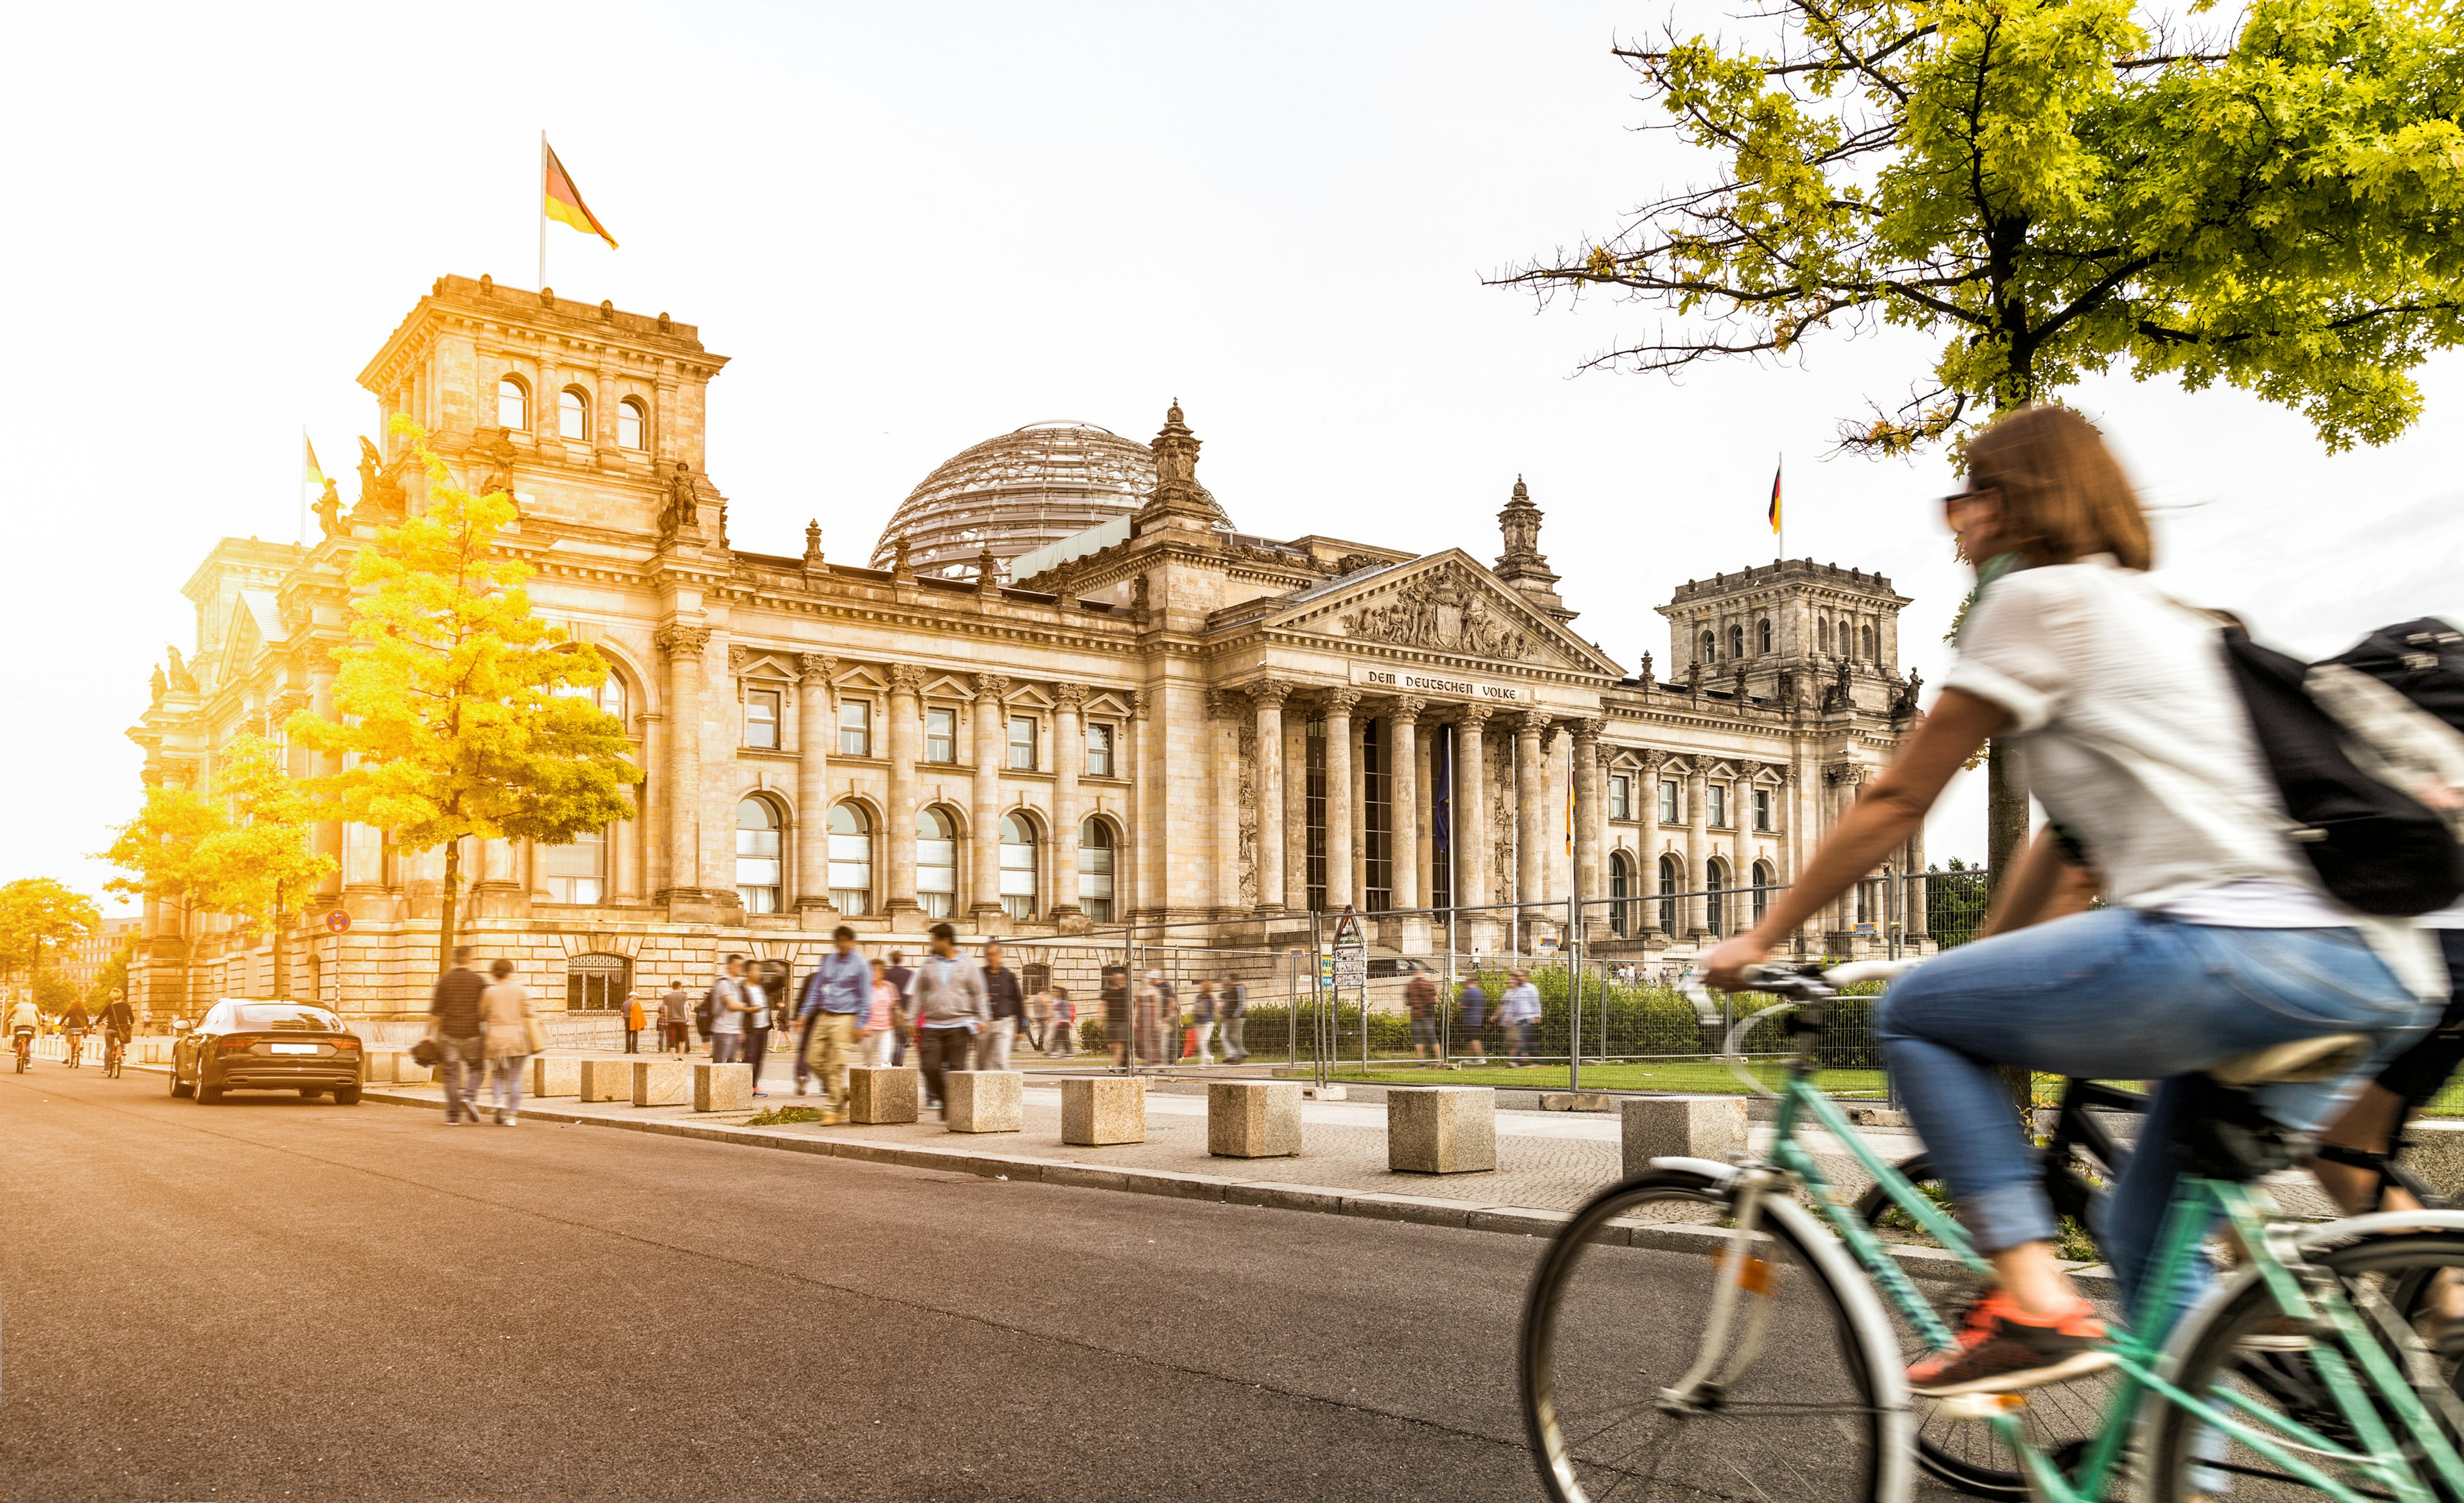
1767 1365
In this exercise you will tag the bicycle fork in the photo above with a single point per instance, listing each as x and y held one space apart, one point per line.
1737 1271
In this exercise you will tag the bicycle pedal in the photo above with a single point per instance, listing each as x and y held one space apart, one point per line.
1979 1405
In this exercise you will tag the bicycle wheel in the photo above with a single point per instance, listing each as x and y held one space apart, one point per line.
1802 1401
2407 1286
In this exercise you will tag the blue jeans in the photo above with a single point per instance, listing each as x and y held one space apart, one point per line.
2120 993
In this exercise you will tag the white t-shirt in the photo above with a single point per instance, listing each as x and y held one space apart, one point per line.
2130 733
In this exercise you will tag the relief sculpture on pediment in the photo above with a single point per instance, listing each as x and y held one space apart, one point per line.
1444 610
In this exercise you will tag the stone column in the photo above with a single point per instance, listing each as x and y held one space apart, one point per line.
896 852
684 645
1697 850
812 833
1471 807
1338 705
1531 808
1147 809
1267 697
992 738
1403 755
1587 823
1917 925
1297 896
1068 760
651 798
326 836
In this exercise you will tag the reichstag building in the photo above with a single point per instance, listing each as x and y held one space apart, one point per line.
1064 692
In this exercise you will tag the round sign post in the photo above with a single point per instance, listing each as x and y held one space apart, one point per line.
338 920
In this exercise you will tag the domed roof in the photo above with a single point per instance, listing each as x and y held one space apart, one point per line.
1037 485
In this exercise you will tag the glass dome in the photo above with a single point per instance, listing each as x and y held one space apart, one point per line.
1019 492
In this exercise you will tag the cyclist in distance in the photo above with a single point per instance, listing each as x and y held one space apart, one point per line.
74 1025
117 1021
2218 939
24 1023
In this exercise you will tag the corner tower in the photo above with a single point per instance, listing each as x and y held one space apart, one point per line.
1793 632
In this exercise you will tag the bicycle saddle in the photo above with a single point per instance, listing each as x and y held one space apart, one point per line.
2304 1060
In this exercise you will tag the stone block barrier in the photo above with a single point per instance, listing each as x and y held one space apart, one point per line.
1682 1128
661 1082
984 1100
1253 1119
722 1087
878 1094
1104 1109
604 1079
555 1077
398 1067
1441 1129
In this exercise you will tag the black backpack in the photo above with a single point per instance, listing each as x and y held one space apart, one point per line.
2375 847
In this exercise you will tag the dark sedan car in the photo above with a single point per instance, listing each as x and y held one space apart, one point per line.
268 1046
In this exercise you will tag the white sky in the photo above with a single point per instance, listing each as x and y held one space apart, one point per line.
913 228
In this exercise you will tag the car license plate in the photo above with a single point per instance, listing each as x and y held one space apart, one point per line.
295 1049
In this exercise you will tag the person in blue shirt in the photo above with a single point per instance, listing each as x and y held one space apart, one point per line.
832 1008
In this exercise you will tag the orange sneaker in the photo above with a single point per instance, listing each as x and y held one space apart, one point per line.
2001 1348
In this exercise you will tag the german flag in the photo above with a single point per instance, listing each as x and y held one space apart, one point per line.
564 201
1774 500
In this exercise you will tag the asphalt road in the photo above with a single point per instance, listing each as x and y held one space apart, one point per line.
272 1299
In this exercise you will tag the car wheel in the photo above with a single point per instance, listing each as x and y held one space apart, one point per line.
347 1096
177 1089
209 1095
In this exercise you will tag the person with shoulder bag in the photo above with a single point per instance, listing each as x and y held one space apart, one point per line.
728 1006
513 1033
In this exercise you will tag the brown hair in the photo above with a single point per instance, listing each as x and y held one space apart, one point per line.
2064 496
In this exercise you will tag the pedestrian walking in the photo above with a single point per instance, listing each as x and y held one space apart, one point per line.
1472 1015
727 1008
1039 1020
1202 1022
1520 1015
1231 1020
1117 1006
947 998
1155 1013
676 1019
454 1023
902 978
1009 1010
635 1020
505 1009
837 995
1060 1041
1420 1001
883 1017
757 1015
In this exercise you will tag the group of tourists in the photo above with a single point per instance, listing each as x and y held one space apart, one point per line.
1147 1022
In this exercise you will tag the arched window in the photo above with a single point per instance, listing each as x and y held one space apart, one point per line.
1095 869
1871 655
1713 880
936 862
576 872
1736 643
596 983
1822 634
608 695
633 423
756 855
573 413
1710 647
1668 895
1018 867
1621 889
850 859
1763 880
1847 637
512 402
1763 635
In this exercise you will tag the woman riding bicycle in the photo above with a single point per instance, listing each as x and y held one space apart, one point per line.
2218 939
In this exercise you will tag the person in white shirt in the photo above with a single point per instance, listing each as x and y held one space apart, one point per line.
1519 1014
2217 938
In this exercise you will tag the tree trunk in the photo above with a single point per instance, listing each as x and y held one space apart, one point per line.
2006 835
282 952
452 891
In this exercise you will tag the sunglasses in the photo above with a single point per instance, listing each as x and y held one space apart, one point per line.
1959 498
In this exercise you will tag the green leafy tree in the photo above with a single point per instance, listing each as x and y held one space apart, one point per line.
449 694
37 916
111 981
168 853
2055 188
261 861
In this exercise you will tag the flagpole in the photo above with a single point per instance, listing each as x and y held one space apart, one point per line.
1778 465
539 208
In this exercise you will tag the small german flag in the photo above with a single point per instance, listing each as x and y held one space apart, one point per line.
1774 500
564 201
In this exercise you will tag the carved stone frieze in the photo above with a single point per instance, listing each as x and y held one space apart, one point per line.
1446 610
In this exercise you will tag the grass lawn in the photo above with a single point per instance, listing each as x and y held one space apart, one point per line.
1704 1077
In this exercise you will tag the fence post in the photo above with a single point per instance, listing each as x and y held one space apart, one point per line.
1573 948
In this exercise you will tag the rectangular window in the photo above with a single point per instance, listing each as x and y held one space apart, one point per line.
940 735
855 728
1313 819
1377 820
1719 805
1099 752
576 872
1762 809
1620 793
1095 881
1668 801
761 719
1022 743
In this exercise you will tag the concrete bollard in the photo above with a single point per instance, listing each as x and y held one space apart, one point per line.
1253 1119
555 1077
604 1079
661 1082
984 1100
1441 1129
722 1087
878 1094
1096 1110
1682 1128
396 1065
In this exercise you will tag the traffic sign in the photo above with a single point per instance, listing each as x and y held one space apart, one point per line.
1351 954
338 920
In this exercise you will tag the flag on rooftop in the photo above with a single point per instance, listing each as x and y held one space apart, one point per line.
312 475
1774 500
563 201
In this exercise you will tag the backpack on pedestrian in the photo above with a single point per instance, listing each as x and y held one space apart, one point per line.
703 1012
2366 750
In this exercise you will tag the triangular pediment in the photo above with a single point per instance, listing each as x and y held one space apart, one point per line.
1448 605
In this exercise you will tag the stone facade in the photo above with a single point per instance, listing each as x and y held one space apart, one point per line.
1165 721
